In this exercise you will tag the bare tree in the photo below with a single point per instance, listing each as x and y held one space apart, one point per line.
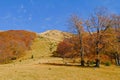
116 27
77 25
97 25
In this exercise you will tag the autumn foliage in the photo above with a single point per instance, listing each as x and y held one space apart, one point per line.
98 37
70 48
14 43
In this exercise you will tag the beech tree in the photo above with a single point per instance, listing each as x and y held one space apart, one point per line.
102 40
116 27
97 25
77 23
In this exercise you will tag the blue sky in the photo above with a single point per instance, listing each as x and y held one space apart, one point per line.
42 15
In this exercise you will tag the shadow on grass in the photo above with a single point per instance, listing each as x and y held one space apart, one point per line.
68 64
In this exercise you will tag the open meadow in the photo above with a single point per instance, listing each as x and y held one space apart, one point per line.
36 70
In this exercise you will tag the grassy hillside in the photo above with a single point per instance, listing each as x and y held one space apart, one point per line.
55 35
41 45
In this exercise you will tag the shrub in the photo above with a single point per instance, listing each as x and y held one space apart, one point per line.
13 58
92 62
32 56
107 63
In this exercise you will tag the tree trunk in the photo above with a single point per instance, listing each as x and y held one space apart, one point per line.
81 50
118 60
82 63
97 63
82 59
97 52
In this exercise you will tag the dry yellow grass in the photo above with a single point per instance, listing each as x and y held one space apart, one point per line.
41 45
40 49
37 71
55 35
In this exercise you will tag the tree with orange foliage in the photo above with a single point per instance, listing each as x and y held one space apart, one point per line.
101 41
116 27
65 49
77 23
97 25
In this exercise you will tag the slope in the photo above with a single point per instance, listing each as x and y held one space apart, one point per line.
46 43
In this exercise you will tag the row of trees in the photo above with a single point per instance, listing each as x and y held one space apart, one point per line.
99 34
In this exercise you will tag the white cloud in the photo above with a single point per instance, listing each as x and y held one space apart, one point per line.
22 6
6 16
48 19
24 10
30 14
31 1
29 18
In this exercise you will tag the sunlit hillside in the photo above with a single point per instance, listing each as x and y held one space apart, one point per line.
41 45
55 35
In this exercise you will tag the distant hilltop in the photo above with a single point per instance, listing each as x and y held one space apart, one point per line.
55 35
